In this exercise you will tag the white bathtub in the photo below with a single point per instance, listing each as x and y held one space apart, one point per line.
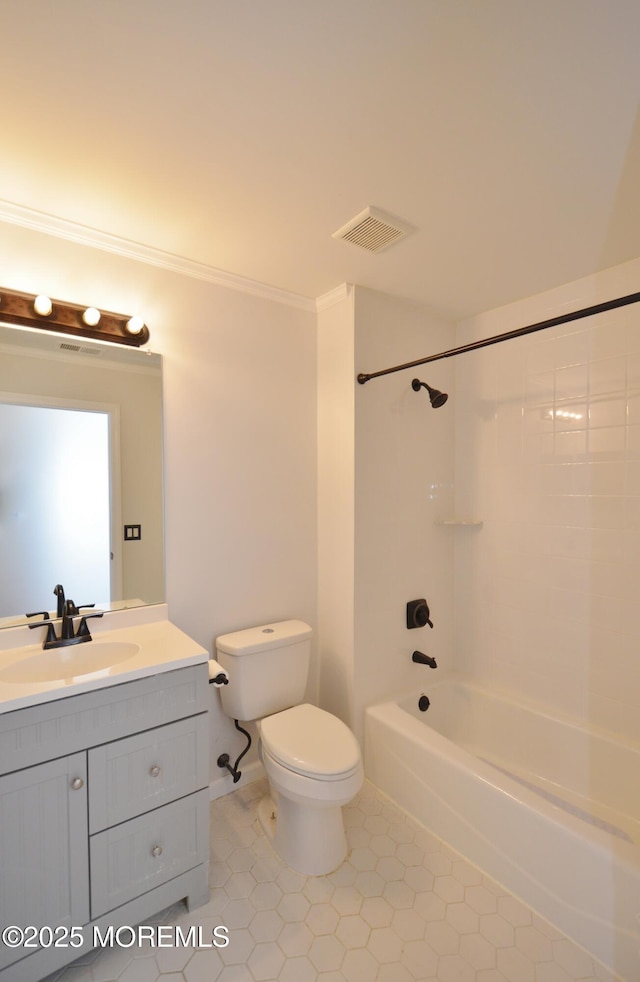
549 809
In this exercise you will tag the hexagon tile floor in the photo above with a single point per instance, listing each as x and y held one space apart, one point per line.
402 907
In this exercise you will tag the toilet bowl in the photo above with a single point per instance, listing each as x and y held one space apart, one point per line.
312 758
314 767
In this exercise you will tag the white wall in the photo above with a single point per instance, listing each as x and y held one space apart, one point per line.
548 456
403 486
336 503
240 435
385 478
240 444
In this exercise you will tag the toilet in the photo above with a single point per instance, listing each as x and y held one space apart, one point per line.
312 759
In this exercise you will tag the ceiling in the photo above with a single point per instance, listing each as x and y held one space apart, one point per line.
241 134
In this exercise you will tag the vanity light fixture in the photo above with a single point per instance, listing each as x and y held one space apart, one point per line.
29 310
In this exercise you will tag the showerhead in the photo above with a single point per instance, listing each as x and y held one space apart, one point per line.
436 397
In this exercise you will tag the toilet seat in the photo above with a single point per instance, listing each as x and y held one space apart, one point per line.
311 742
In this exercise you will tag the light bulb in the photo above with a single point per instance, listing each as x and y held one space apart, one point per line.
135 325
91 316
42 305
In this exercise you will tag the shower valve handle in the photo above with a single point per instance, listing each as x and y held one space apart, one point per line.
418 614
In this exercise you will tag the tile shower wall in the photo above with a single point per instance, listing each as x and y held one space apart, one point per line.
548 458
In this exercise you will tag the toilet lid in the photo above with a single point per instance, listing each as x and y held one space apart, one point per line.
310 741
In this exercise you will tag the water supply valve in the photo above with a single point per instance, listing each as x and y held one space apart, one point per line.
418 614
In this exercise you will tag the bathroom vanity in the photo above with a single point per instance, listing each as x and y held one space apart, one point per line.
104 800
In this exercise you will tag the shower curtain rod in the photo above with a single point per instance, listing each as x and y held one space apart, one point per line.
575 315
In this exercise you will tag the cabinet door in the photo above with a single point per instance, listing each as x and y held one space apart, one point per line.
44 869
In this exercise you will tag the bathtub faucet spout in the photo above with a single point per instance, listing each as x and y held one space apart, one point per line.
421 659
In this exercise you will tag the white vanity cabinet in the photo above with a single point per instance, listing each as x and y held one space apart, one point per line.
104 812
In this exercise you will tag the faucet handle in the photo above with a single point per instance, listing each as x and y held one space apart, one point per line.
51 631
418 614
83 628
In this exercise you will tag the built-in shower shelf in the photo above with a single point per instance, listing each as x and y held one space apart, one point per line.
466 522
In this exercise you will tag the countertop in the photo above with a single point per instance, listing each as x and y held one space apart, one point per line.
162 648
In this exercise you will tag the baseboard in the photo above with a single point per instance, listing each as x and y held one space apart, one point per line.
222 785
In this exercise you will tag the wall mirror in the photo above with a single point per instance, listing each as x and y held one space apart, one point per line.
80 473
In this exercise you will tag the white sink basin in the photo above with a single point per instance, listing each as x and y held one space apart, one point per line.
74 661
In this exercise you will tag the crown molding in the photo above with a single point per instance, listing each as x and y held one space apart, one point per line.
332 297
14 214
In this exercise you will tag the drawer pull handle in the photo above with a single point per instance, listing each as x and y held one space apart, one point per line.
156 851
155 771
77 783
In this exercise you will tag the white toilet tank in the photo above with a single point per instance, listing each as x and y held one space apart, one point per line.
267 668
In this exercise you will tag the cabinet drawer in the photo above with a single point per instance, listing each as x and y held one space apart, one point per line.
139 855
132 776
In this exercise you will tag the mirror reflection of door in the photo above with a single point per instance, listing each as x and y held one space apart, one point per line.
56 487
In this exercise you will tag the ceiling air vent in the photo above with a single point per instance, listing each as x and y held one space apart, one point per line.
372 230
